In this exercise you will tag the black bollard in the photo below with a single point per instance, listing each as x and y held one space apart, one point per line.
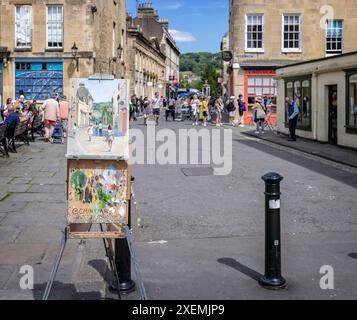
123 261
272 278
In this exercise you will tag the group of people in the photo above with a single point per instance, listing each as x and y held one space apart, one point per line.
204 107
19 110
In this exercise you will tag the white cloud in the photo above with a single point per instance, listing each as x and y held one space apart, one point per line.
174 6
181 36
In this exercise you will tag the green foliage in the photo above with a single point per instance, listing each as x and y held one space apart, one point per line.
211 76
78 180
205 65
196 62
103 112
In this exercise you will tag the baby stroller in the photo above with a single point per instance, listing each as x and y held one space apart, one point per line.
58 134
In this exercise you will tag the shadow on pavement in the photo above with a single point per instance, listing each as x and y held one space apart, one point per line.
310 164
101 267
230 262
62 291
353 255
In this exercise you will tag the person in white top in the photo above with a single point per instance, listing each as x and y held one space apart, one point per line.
195 108
156 103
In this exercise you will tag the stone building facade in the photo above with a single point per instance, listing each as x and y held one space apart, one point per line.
268 34
146 63
37 38
155 28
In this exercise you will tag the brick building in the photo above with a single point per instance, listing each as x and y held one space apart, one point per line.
267 34
37 40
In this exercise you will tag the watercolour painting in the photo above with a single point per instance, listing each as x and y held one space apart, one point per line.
99 119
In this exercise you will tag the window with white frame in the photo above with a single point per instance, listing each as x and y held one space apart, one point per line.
334 36
23 33
292 33
55 26
255 32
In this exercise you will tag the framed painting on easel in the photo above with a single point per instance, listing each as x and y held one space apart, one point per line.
98 154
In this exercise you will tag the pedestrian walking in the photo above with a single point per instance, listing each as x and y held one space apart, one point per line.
219 111
293 112
231 108
51 113
156 104
242 107
64 111
195 110
146 110
171 109
204 107
259 115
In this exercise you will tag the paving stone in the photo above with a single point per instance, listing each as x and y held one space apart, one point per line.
34 219
55 189
5 180
5 273
55 209
37 197
39 234
22 253
47 181
10 206
8 234
18 188
21 180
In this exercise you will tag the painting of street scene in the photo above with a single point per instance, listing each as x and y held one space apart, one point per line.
99 119
97 195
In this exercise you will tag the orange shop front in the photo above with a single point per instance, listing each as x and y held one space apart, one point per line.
260 83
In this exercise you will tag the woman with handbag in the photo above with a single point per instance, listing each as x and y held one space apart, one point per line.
259 115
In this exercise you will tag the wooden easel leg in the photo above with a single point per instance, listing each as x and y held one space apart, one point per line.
56 265
110 255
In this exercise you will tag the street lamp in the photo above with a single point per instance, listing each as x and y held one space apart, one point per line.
74 50
115 59
119 51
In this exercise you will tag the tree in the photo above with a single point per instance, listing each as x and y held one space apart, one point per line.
211 76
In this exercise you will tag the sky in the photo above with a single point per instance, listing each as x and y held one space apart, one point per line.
196 25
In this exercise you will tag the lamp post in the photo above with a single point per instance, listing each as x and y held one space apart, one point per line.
74 50
115 59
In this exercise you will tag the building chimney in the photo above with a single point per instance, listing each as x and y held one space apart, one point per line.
164 23
145 9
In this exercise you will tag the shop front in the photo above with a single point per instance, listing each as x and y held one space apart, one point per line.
325 91
38 79
260 83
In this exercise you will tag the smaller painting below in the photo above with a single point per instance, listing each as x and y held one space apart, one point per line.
97 192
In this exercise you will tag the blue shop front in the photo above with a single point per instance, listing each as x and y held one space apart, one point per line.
38 79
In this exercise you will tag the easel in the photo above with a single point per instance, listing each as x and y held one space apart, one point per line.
116 232
108 246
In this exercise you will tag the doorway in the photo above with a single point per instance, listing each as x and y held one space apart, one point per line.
333 114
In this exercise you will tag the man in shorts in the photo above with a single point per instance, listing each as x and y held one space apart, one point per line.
156 107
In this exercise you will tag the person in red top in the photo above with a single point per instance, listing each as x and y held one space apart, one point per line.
64 110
